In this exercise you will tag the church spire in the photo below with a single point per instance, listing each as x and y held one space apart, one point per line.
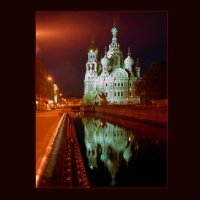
129 61
92 38
137 68
129 52
92 46
137 63
114 33
105 50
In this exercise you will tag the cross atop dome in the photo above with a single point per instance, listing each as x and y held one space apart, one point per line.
114 29
137 63
129 52
92 46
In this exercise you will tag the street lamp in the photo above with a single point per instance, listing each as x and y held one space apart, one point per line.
50 78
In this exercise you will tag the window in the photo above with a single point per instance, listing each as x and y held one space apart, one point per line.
115 84
118 84
106 84
115 94
121 84
122 94
118 94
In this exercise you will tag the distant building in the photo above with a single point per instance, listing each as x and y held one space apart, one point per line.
44 88
73 101
114 78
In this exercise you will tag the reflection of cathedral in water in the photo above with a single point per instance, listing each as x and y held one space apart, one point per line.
109 143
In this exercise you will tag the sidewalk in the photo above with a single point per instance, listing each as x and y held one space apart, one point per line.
46 122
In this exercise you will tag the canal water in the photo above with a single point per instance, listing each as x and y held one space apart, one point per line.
122 153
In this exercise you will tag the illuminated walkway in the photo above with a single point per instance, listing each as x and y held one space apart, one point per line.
46 123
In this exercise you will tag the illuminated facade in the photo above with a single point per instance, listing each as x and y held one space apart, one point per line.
44 87
113 78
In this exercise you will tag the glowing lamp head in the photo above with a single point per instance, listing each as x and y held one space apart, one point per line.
50 78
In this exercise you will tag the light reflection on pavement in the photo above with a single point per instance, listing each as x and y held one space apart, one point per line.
46 123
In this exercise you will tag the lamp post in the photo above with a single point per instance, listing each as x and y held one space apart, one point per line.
50 95
61 99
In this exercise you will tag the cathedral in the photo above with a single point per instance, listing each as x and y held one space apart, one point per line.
113 79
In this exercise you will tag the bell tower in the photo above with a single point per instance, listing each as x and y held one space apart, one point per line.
91 68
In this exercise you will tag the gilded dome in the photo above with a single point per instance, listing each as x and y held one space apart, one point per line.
92 47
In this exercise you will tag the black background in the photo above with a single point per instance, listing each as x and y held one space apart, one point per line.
18 99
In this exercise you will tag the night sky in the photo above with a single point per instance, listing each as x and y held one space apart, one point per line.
63 38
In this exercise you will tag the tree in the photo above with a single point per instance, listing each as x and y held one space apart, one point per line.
88 99
153 83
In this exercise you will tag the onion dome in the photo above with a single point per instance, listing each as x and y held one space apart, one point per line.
105 61
129 61
114 30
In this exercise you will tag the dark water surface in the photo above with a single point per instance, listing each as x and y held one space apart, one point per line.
131 154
